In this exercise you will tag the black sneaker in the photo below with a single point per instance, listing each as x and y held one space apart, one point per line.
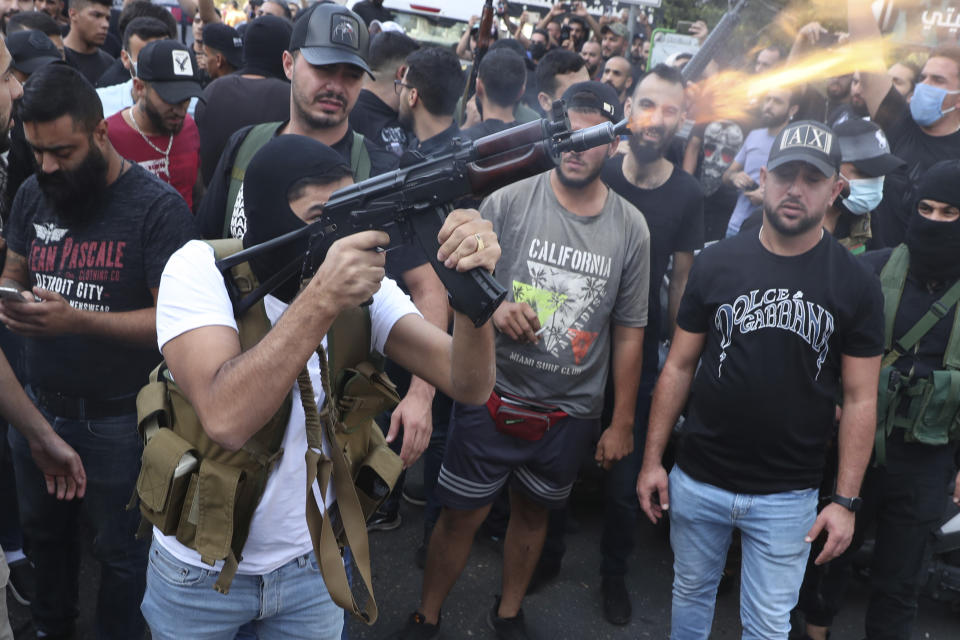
507 628
417 628
414 493
381 521
22 581
616 600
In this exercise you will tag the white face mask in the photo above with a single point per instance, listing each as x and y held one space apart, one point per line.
865 194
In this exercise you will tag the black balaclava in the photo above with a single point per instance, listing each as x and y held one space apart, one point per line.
264 41
935 245
276 167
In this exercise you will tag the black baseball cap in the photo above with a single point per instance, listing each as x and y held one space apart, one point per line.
31 50
226 40
594 95
171 70
864 144
331 34
806 141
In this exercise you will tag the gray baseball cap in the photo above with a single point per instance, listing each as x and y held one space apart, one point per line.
331 34
864 144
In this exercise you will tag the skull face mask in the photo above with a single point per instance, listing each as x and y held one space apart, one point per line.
721 142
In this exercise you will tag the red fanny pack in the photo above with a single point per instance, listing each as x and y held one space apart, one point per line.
522 418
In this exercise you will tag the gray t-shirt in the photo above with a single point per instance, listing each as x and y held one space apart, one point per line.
580 274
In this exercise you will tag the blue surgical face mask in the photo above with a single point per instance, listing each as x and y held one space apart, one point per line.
926 105
865 195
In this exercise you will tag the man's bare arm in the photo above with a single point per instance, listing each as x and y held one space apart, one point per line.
669 398
617 440
874 85
682 263
858 423
53 315
207 12
414 413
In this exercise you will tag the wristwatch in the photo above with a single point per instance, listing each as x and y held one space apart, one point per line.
851 504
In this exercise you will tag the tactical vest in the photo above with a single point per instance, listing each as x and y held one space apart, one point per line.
260 135
927 408
206 496
860 234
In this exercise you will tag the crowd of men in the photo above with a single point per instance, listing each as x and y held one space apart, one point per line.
750 323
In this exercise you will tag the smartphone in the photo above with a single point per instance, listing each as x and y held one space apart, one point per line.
683 26
11 293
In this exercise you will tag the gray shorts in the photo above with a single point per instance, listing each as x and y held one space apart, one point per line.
479 460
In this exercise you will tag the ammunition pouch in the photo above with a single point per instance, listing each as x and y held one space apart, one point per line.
206 496
927 409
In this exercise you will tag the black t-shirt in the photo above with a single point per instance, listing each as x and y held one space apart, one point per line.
116 73
920 151
487 127
439 143
776 327
229 104
369 11
108 265
674 215
916 300
91 65
374 118
212 209
720 142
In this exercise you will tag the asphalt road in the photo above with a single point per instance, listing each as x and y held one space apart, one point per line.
567 609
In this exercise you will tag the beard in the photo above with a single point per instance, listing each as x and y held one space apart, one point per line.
578 183
76 196
772 216
313 120
838 89
769 120
157 121
644 151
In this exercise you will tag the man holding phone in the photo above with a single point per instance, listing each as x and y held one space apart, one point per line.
88 234
779 107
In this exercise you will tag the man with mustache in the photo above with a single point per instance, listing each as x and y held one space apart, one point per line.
326 76
577 266
671 202
89 23
922 132
325 63
775 317
779 107
157 133
88 237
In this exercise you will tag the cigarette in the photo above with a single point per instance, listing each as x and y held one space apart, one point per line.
540 330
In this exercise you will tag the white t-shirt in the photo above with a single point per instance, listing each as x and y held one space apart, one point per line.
192 295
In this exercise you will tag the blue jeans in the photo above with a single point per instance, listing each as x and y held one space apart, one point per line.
110 449
288 603
772 529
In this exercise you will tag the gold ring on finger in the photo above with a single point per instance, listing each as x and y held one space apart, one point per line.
480 244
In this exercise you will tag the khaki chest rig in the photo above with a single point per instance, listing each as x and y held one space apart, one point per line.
206 495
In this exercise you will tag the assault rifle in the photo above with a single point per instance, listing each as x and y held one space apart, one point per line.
411 204
716 40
